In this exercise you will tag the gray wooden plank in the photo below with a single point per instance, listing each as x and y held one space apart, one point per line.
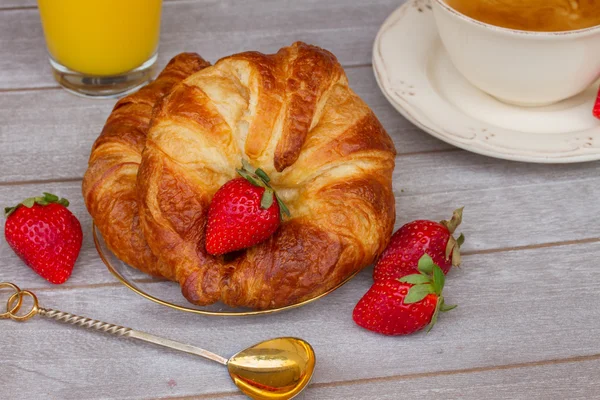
562 381
214 29
33 3
48 134
507 204
17 3
514 308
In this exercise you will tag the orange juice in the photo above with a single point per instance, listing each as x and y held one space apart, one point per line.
101 37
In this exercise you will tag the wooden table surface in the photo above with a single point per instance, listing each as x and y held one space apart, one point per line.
528 320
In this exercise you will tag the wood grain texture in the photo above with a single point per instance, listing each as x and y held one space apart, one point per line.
507 314
62 128
507 205
519 332
214 29
568 380
4 4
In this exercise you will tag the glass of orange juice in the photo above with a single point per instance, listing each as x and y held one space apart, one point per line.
101 48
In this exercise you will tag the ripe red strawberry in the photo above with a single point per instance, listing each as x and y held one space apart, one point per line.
596 111
406 305
45 235
411 241
242 213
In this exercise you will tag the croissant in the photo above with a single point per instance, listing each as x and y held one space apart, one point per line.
109 188
293 115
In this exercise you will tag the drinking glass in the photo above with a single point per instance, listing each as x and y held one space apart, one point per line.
101 48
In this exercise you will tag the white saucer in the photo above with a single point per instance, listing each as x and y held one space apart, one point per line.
416 75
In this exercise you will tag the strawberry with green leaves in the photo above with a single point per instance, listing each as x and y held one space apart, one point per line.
243 212
411 241
405 305
45 235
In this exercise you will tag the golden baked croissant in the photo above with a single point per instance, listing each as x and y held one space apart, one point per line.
291 114
109 187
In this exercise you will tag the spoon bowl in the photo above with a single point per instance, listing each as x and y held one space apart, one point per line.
274 369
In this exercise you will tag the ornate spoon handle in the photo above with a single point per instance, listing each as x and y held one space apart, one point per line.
15 301
88 323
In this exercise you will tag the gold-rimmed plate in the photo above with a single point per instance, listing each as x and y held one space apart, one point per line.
169 294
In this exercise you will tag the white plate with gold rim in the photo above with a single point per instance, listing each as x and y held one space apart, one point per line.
416 75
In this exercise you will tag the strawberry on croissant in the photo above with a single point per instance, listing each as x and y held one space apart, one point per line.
293 115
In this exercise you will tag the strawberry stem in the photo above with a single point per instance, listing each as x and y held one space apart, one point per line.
259 177
263 175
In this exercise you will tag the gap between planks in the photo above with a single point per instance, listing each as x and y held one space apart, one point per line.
31 89
420 375
41 181
464 254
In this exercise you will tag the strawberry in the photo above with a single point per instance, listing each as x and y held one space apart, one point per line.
411 241
406 305
242 212
45 235
596 111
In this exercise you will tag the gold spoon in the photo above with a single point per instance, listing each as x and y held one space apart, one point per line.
278 368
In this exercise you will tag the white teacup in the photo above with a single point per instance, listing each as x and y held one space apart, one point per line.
520 67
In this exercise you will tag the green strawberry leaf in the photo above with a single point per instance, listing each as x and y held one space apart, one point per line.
440 306
267 199
434 317
454 221
262 175
456 259
438 280
425 264
49 197
453 248
282 208
246 166
415 279
247 176
460 240
29 202
445 308
450 246
418 293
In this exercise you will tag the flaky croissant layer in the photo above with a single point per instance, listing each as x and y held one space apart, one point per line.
167 149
